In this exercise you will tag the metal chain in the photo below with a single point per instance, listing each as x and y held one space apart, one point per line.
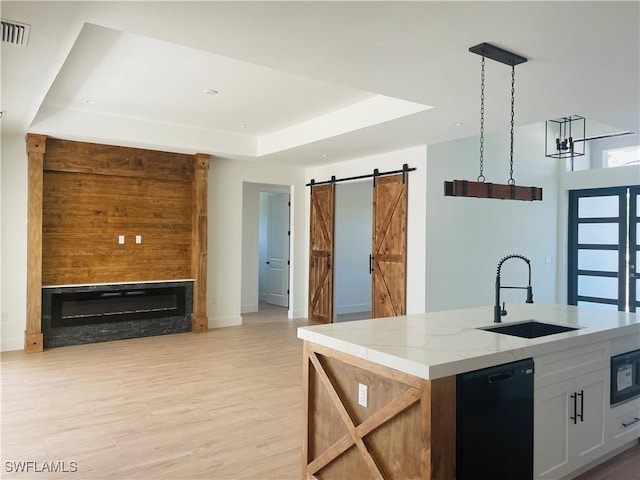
513 92
481 176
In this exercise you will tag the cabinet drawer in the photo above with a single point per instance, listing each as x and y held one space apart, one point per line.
565 365
623 422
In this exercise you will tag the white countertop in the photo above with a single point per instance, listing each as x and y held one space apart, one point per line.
440 344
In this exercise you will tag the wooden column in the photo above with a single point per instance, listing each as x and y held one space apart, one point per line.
199 320
36 146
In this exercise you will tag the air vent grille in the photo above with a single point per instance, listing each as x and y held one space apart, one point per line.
15 33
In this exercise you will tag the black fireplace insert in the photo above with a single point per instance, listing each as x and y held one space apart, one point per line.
91 307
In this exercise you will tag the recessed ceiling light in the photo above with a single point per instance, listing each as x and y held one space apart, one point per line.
457 124
323 155
90 102
241 126
210 91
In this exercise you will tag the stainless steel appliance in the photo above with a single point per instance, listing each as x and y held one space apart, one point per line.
625 376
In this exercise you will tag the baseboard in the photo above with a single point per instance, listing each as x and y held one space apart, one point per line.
225 322
292 314
249 308
12 343
354 308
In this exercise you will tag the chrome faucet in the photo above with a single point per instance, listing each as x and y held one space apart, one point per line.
499 311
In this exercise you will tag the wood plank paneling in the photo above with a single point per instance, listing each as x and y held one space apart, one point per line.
407 429
84 213
92 158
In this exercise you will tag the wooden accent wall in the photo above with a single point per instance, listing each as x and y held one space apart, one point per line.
407 429
83 196
94 193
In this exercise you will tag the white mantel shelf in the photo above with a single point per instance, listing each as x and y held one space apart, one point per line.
441 344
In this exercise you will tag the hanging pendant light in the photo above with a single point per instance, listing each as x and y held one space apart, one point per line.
480 188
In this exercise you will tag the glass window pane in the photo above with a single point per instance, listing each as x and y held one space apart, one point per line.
600 260
603 306
590 207
601 233
603 287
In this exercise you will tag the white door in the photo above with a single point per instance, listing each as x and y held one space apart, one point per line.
278 249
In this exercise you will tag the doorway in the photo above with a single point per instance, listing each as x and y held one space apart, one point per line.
388 258
262 281
273 240
604 248
352 250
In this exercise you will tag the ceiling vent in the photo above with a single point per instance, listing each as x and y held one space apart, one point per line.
15 33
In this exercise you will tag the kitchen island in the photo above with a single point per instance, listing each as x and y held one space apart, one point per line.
380 394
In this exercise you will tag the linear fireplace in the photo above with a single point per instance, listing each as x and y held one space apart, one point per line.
73 315
82 308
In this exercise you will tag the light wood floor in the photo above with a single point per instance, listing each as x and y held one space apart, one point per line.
221 405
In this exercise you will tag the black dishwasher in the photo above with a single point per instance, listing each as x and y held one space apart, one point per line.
494 429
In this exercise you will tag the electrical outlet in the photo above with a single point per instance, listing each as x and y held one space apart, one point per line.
362 394
121 239
138 239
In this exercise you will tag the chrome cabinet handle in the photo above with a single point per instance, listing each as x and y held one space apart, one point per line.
632 422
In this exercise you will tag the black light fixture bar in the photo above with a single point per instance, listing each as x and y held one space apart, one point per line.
498 54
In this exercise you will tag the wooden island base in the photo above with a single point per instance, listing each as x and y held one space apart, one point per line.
407 429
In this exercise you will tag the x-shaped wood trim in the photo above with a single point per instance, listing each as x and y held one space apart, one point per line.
322 221
355 434
318 291
387 220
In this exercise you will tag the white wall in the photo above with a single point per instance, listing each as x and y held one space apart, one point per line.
353 225
13 282
416 217
225 271
467 237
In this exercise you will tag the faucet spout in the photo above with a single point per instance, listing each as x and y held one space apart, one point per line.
499 311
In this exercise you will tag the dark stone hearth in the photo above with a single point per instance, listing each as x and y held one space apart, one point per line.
126 326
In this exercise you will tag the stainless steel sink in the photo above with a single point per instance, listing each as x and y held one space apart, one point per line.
529 329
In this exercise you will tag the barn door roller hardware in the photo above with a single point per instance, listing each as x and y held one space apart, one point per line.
376 173
480 189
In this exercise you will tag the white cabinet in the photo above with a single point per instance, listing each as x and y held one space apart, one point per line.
623 423
569 414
